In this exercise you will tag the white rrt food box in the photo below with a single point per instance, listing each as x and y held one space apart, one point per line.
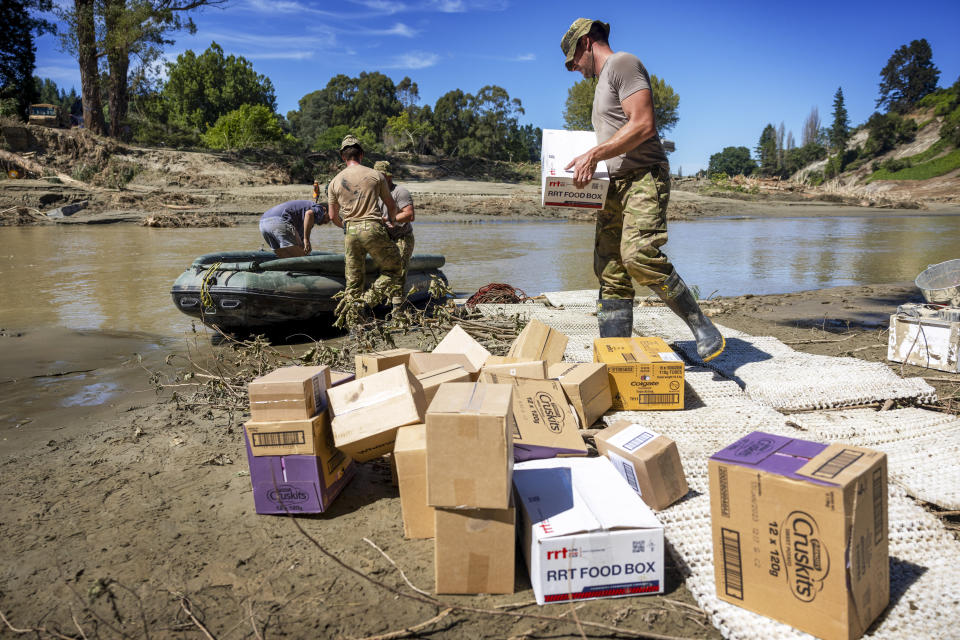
559 147
585 533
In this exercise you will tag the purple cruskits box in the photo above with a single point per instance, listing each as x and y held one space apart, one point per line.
298 484
772 453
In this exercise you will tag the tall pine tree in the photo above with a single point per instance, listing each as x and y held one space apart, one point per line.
908 76
840 129
767 151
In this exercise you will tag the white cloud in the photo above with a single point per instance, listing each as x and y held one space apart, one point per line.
448 6
462 6
382 6
413 60
278 6
526 57
60 73
279 55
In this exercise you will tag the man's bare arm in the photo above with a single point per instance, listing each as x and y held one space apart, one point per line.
405 214
638 108
391 207
307 228
334 210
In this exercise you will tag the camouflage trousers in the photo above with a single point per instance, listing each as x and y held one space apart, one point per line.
361 238
631 228
405 246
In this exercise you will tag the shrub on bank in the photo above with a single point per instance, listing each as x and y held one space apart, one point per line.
250 126
922 171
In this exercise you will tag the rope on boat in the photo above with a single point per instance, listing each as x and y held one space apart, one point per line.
497 293
206 300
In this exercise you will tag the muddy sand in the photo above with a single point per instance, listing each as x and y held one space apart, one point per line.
123 516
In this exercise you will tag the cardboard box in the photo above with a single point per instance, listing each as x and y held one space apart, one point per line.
470 430
534 369
339 377
289 393
410 457
644 373
298 484
498 360
585 533
587 387
287 437
474 550
800 532
546 426
432 380
459 341
368 411
537 341
368 363
421 363
648 461
558 148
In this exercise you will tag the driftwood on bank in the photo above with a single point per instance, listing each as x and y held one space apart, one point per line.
34 167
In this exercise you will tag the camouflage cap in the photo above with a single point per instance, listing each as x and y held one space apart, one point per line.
350 141
383 167
579 28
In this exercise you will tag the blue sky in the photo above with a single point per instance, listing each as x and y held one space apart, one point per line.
736 66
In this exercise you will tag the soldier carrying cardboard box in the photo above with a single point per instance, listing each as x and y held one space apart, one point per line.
632 226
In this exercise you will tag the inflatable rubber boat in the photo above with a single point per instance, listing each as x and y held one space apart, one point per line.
249 292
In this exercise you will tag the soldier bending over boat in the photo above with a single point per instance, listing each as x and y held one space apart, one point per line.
286 227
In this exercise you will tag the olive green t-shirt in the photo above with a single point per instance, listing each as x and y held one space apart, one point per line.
358 190
623 75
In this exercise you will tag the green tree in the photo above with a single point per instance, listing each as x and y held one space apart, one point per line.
908 76
18 23
886 131
411 132
840 129
330 139
494 131
799 157
200 89
767 151
666 104
248 127
732 161
368 100
579 106
49 93
452 120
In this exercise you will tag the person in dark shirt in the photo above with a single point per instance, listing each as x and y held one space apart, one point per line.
286 227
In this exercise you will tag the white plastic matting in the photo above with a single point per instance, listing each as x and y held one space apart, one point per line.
922 447
924 557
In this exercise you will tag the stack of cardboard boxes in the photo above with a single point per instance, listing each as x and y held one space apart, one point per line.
456 421
294 465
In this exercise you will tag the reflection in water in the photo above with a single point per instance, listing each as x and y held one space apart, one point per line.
119 277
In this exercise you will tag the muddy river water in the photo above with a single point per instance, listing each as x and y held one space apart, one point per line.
118 277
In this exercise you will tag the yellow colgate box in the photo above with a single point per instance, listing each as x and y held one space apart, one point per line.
645 374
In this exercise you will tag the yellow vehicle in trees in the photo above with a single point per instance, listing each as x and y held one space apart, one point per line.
47 115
